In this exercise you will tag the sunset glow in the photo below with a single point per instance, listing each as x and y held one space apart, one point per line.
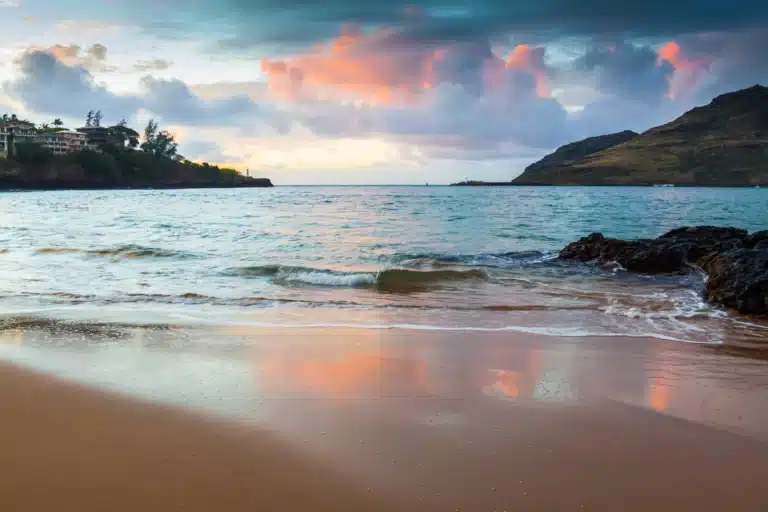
419 80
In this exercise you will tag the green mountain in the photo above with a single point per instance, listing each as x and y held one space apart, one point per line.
724 143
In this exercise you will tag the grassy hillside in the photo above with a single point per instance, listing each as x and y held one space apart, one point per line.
724 143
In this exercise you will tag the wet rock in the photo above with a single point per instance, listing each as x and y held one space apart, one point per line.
755 239
736 262
739 279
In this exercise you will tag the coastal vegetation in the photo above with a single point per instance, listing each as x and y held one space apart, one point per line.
114 157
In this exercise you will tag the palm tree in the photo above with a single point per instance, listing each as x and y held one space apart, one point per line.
58 122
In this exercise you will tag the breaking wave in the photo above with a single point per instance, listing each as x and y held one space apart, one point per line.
393 279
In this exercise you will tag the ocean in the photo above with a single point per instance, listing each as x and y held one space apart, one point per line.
428 258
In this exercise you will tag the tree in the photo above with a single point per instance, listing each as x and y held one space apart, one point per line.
89 119
150 132
14 117
97 118
58 122
32 153
165 145
160 144
5 118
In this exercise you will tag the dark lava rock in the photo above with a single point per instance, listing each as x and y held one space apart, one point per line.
758 238
739 279
737 263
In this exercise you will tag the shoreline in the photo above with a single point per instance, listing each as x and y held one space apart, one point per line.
648 185
171 186
232 418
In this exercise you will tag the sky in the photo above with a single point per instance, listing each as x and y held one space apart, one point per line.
376 92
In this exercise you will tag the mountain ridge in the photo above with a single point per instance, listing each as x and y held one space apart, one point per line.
723 143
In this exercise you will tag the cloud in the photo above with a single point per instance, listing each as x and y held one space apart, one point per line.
45 79
93 58
451 119
285 22
722 62
174 102
627 70
352 65
435 95
152 65
204 151
384 66
257 91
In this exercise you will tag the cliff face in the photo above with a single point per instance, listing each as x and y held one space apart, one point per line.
724 143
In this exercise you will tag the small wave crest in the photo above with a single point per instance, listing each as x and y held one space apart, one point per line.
326 278
501 260
389 280
121 252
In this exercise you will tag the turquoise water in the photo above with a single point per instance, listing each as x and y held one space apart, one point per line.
416 257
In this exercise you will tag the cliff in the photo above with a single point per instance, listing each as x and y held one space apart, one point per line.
724 143
122 169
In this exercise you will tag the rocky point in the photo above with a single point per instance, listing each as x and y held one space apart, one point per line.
735 261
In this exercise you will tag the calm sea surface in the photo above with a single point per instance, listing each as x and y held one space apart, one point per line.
415 257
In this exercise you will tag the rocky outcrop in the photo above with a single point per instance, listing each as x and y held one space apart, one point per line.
724 143
735 261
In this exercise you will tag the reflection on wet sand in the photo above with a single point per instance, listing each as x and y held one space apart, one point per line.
231 366
475 421
658 394
513 384
348 375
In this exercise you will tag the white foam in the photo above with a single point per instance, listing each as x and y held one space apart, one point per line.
688 305
328 278
564 332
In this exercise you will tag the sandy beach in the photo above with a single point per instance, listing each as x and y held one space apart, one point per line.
236 418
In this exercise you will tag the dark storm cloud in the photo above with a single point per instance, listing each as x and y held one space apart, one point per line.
627 70
254 22
738 60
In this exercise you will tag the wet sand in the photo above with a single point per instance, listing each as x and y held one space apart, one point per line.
347 419
66 447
